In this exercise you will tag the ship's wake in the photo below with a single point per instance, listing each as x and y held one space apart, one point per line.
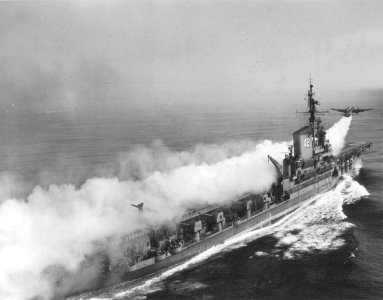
318 226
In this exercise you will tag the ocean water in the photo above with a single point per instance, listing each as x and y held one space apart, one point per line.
330 249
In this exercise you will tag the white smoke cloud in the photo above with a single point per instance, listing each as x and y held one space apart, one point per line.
60 225
11 186
49 233
337 134
142 161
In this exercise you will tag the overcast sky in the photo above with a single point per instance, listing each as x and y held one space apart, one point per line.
86 54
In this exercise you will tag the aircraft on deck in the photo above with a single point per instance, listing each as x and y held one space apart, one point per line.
351 110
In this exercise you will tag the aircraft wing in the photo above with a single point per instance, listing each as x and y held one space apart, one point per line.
358 110
340 110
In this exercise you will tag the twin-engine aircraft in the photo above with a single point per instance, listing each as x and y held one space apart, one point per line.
351 110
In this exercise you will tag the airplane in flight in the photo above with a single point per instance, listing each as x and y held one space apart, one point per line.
140 206
351 110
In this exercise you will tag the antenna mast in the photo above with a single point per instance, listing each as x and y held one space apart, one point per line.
312 103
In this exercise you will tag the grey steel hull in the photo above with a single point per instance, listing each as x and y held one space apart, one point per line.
259 220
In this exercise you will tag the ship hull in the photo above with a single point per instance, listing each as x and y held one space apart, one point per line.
319 185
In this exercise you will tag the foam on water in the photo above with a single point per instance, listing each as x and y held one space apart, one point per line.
318 225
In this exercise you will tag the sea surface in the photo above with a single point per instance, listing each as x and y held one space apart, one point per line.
330 249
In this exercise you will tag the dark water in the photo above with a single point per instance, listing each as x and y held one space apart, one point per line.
313 263
305 259
313 274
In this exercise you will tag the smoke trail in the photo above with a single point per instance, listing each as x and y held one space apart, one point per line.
137 163
337 134
45 237
141 161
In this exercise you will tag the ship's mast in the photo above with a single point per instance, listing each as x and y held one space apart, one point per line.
316 130
312 108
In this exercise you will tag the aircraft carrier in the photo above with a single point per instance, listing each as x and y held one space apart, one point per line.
309 168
